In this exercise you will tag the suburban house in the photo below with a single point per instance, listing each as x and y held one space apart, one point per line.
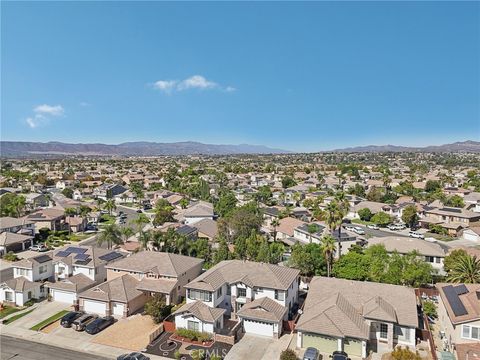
14 242
357 316
450 218
47 218
200 211
472 234
309 233
77 268
34 201
207 229
108 191
431 251
158 273
459 313
15 225
26 284
76 223
258 295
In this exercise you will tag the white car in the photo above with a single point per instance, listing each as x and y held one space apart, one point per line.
359 230
350 227
415 234
39 248
373 226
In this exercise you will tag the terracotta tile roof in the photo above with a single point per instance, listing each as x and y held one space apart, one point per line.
21 284
263 309
8 238
201 311
121 289
287 225
405 245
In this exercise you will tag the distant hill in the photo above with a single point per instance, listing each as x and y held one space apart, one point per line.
24 148
463 146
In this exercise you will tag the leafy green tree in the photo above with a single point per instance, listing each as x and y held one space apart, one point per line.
453 258
243 220
308 259
68 192
466 270
288 181
276 252
12 205
375 194
126 232
264 194
455 201
263 254
381 219
225 204
70 211
409 215
430 309
110 206
432 186
222 253
110 235
163 212
157 308
352 266
365 214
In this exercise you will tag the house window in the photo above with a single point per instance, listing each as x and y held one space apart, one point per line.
403 334
437 260
42 269
193 325
279 295
383 331
471 332
219 292
229 291
241 292
429 259
200 295
29 295
9 296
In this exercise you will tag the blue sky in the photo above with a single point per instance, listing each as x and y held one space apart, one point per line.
298 76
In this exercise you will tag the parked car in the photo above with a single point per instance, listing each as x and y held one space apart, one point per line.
69 318
393 227
99 324
80 323
139 210
311 354
373 226
349 227
39 248
358 230
133 356
415 234
339 355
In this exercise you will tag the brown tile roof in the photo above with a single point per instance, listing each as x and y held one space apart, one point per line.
405 245
121 289
21 284
468 351
160 263
46 214
201 311
163 286
288 224
75 283
207 227
263 309
340 307
470 300
28 263
253 274
9 222
8 238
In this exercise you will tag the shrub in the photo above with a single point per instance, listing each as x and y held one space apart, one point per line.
10 256
193 335
288 354
404 354
365 214
430 309
157 308
177 354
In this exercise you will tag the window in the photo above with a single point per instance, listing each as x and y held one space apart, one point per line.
199 295
9 296
193 325
42 269
29 296
383 331
229 290
241 292
402 334
219 292
471 332
429 259
279 295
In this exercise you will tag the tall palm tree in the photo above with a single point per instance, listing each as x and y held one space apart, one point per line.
333 219
141 221
110 235
466 270
110 206
126 232
274 224
145 238
182 245
328 249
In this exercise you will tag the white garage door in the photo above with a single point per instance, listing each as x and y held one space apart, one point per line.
62 296
258 327
118 309
469 236
95 307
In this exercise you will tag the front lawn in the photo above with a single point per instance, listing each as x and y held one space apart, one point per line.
363 222
49 320
107 219
7 310
16 317
439 236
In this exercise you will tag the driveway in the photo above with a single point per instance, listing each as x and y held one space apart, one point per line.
43 310
251 347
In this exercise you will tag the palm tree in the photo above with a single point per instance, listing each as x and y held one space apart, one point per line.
333 219
328 249
145 238
343 202
275 223
109 206
141 221
126 232
182 245
110 235
466 270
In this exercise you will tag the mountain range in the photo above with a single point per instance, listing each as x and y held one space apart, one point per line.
24 148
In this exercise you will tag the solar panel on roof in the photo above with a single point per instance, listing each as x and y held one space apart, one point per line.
110 256
76 250
461 289
452 210
62 253
43 258
455 303
81 257
83 262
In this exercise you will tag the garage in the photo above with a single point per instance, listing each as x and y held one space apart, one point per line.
352 347
258 327
325 344
62 296
95 307
118 308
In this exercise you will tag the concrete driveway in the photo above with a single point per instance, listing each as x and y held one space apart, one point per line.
251 347
43 310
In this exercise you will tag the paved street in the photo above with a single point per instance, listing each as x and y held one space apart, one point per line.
20 349
380 233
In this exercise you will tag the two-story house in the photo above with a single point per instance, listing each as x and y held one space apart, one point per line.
258 295
50 218
357 316
27 282
200 211
15 234
450 218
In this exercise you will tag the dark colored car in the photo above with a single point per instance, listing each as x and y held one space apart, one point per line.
99 324
311 354
339 355
69 318
80 323
133 356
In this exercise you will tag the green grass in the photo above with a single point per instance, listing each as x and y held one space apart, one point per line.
363 222
49 320
107 220
7 310
439 236
16 317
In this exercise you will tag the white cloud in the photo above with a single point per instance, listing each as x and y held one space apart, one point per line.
42 114
193 82
85 104
55 110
